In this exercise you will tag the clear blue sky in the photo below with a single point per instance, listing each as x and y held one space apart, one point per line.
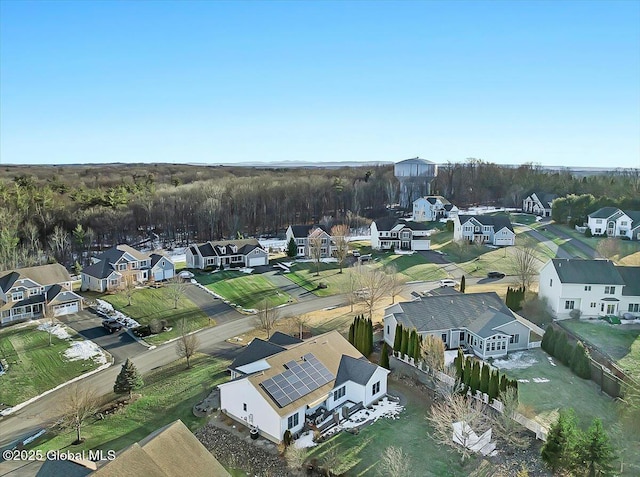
556 83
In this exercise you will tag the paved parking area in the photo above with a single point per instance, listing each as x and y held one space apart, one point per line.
120 344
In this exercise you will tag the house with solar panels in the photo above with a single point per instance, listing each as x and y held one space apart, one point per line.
285 383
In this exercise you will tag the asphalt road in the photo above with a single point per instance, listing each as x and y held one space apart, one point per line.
213 307
590 252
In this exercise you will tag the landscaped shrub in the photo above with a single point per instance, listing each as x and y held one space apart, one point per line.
515 297
397 340
580 363
384 356
575 314
405 342
417 348
475 377
466 375
155 326
484 379
287 438
548 340
494 385
587 233
292 248
412 343
458 362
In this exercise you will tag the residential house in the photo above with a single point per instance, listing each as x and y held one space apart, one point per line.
27 293
304 236
480 322
228 253
432 207
484 229
594 287
615 222
538 204
392 234
120 263
279 387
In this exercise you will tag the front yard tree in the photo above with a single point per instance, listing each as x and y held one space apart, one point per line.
267 318
373 285
176 288
292 248
300 322
79 404
128 379
433 353
128 287
608 247
524 264
558 450
395 463
395 282
595 451
340 234
315 251
187 344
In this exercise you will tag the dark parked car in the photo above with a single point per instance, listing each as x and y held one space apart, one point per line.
111 325
495 275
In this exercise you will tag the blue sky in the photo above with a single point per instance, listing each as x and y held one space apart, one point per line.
555 83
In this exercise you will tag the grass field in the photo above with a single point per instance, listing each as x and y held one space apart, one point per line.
243 289
360 454
620 342
34 366
169 393
148 304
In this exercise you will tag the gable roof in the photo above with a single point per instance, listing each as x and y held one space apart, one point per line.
443 312
597 272
114 254
101 269
302 231
634 215
498 221
43 275
256 350
357 370
486 323
156 256
603 213
221 248
631 278
282 339
390 223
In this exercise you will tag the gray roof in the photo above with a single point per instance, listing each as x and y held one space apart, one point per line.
388 223
415 160
631 277
498 221
603 213
244 246
256 350
303 231
485 324
357 370
155 258
634 215
101 269
432 313
282 339
597 272
115 253
43 275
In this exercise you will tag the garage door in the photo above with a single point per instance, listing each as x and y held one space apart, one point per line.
65 309
162 275
257 261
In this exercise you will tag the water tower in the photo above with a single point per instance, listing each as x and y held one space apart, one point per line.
415 176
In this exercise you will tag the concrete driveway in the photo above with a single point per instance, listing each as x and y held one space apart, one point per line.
120 344
213 307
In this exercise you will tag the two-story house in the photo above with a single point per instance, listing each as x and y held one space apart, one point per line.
27 293
538 204
484 229
392 234
280 386
118 264
615 222
432 207
480 322
594 287
228 253
305 235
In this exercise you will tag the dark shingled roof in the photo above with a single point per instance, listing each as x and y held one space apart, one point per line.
114 254
388 223
41 274
302 231
498 221
596 272
101 269
603 213
432 313
631 277
357 370
244 246
282 339
256 350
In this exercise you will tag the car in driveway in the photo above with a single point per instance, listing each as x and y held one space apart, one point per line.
495 274
111 325
447 282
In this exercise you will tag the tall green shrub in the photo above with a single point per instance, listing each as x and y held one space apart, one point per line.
412 342
458 362
397 340
484 379
466 374
548 340
384 356
580 363
494 385
405 342
475 377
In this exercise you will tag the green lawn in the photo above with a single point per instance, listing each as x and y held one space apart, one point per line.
169 393
360 454
414 267
620 342
245 290
565 244
304 275
34 366
627 247
149 304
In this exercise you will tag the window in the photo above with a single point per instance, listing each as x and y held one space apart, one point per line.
444 337
375 389
514 338
623 223
598 221
292 421
462 336
609 290
34 291
634 307
493 346
244 406
569 304
122 266
593 304
598 231
587 288
338 393
16 296
551 282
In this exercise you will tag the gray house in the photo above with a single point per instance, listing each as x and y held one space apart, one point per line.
478 321
228 253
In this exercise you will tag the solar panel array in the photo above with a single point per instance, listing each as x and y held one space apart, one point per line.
299 379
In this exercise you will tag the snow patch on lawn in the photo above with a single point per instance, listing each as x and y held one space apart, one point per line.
85 350
305 440
106 308
540 380
519 360
551 361
56 330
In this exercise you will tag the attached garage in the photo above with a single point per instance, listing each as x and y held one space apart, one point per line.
65 309
162 274
257 261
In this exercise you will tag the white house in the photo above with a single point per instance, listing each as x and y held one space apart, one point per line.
432 207
478 321
123 262
538 204
615 222
594 287
275 388
27 293
303 236
482 229
228 253
392 234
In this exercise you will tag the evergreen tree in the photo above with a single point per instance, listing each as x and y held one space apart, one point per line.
503 383
475 377
484 379
417 348
494 385
558 451
459 364
462 284
384 356
405 342
560 347
548 340
507 299
595 451
412 342
580 363
128 379
466 374
292 248
397 340
351 333
369 337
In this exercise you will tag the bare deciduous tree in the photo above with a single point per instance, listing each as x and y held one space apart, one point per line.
525 265
78 405
128 286
432 351
59 243
352 286
187 344
373 284
315 251
300 321
267 318
295 457
176 288
608 247
394 463
504 422
395 280
331 459
340 234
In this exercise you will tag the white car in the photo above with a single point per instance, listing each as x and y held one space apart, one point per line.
186 274
448 283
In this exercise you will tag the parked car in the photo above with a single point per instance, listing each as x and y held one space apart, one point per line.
365 258
495 275
447 282
111 325
186 274
355 253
